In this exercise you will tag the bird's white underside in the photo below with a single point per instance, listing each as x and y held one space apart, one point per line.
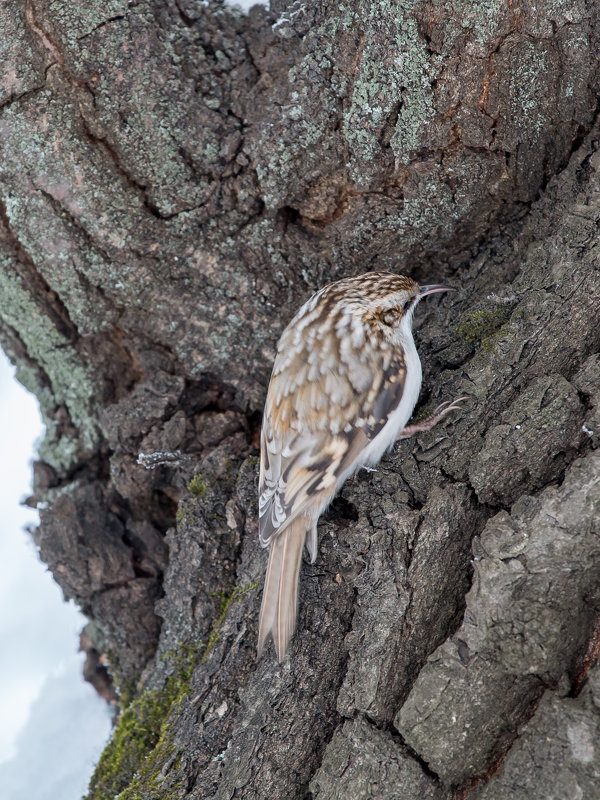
397 420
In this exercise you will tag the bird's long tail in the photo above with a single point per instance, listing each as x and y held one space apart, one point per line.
280 594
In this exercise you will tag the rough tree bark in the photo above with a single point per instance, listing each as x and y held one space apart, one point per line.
176 178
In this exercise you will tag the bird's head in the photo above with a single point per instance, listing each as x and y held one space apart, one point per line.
393 298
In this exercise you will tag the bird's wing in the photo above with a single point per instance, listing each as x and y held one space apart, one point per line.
320 414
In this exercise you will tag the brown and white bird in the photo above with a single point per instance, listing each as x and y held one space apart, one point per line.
345 381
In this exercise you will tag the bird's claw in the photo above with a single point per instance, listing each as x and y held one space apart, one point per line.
438 415
447 406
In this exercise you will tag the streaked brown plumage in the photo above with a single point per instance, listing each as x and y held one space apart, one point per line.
345 381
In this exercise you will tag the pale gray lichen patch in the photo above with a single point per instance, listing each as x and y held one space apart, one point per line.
394 80
70 381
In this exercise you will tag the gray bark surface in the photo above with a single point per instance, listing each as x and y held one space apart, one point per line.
175 179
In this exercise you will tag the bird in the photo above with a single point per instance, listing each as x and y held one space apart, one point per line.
344 384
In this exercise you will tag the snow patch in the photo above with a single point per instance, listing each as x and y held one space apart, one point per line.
246 5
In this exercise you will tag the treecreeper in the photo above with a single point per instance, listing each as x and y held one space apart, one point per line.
345 381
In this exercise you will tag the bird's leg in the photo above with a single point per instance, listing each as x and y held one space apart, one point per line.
311 543
427 424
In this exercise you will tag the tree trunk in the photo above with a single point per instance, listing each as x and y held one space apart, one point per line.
176 178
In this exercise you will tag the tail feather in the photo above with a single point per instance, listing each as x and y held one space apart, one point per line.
280 594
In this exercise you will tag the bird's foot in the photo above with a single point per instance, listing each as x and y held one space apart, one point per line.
430 422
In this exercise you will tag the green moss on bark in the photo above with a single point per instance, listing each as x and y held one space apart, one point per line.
197 486
141 760
131 765
480 327
227 600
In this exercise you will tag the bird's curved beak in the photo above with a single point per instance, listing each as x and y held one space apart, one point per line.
434 287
